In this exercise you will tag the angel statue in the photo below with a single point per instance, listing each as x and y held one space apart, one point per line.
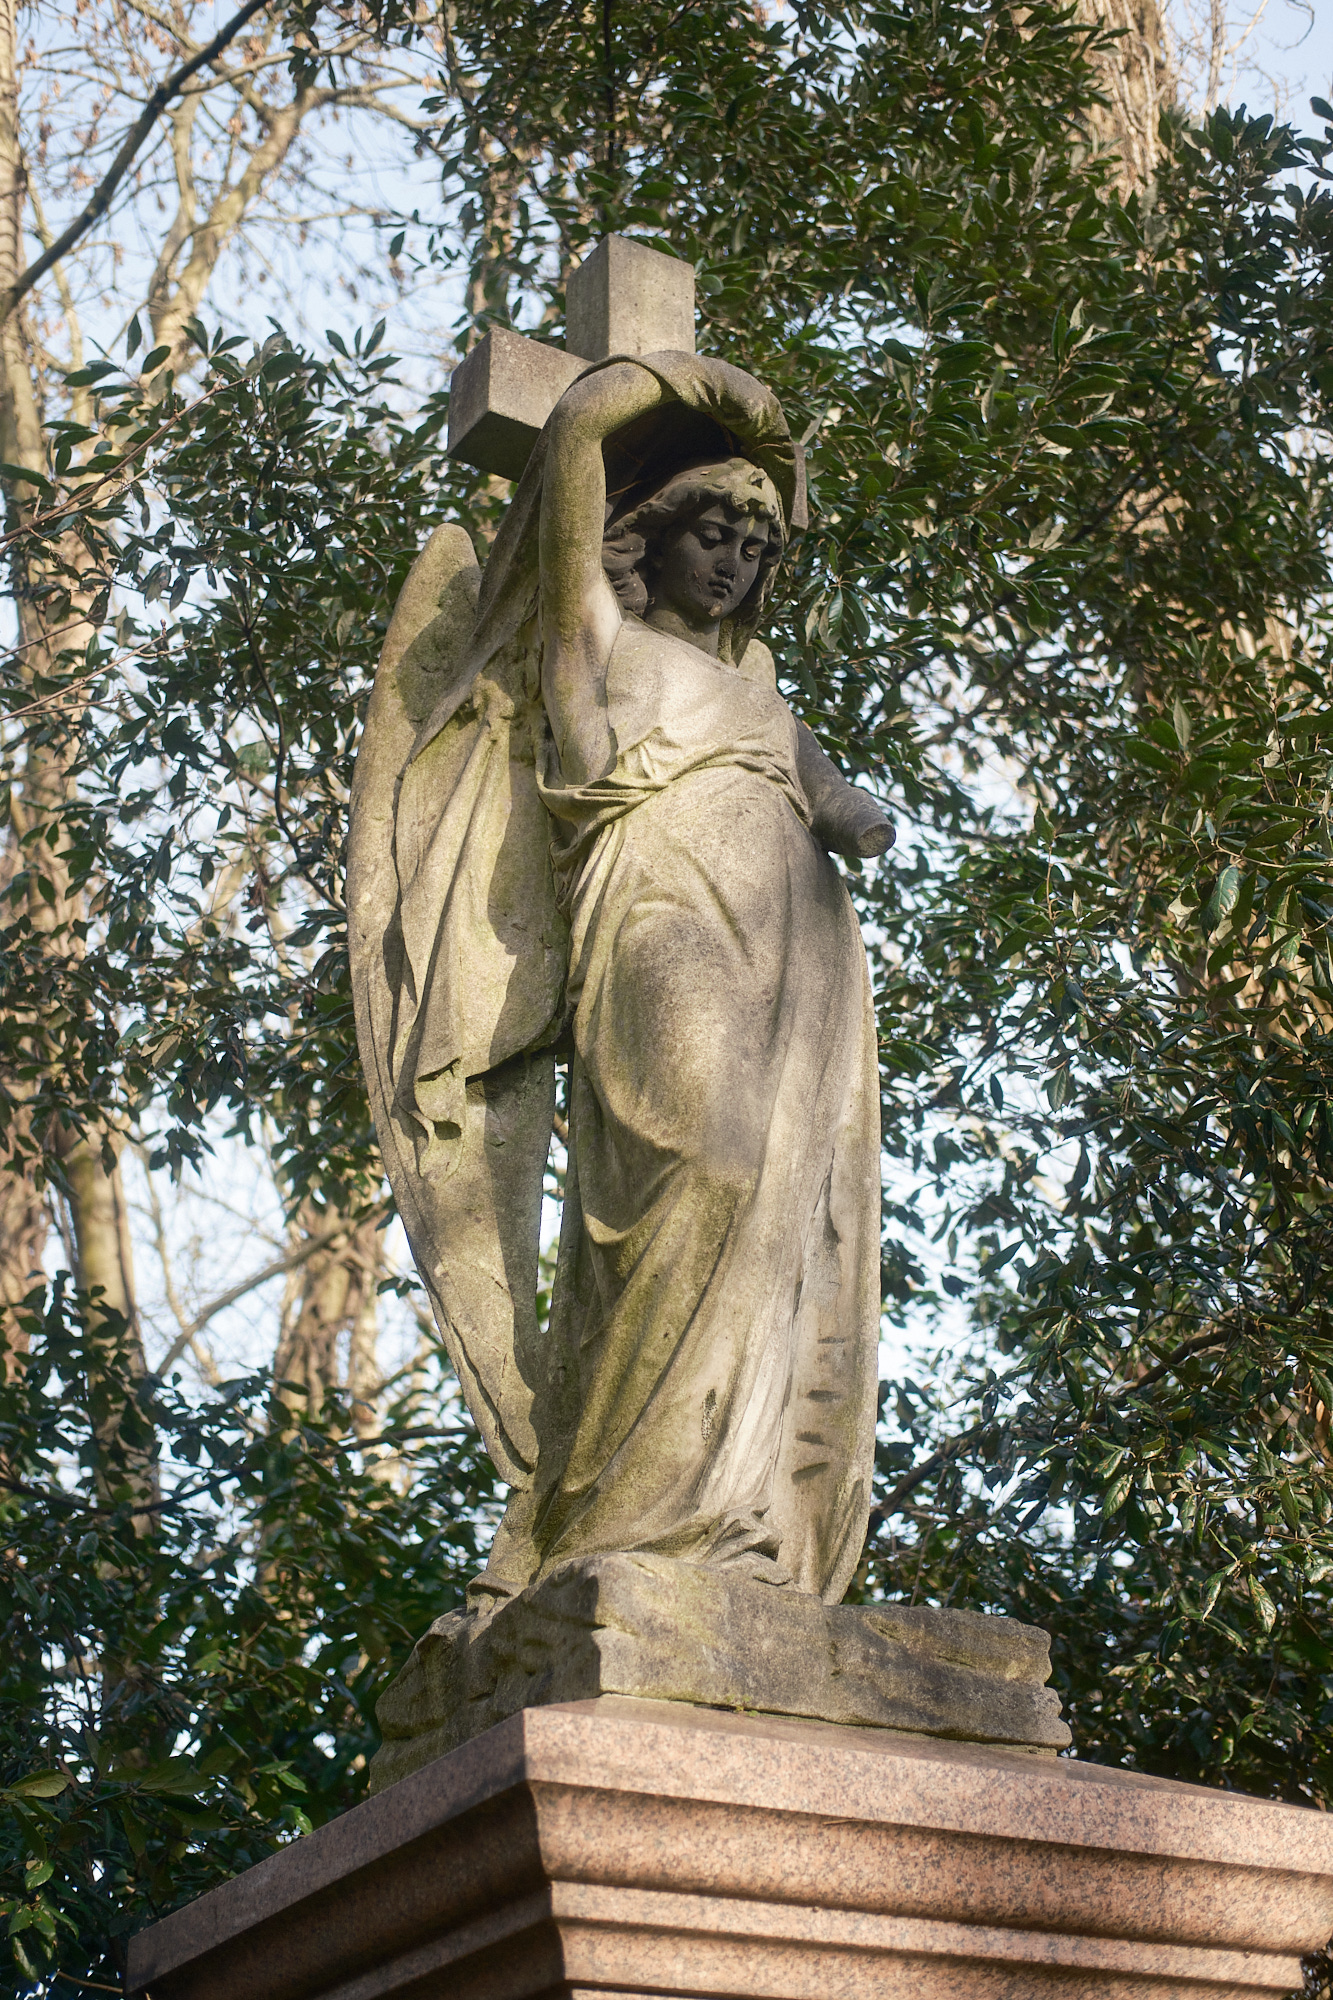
587 827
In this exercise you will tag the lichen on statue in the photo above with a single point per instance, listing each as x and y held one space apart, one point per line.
608 838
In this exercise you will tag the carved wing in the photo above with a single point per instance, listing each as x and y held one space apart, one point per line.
457 961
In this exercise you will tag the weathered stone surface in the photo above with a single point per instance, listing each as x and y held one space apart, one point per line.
501 394
645 1626
586 819
628 299
623 299
610 836
633 1848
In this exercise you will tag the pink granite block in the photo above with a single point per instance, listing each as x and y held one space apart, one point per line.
621 1847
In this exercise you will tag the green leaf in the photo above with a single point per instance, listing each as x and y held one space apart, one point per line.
1057 1088
96 371
1046 534
1142 751
1211 1592
1223 899
964 357
23 472
1265 1609
41 1785
177 1775
254 759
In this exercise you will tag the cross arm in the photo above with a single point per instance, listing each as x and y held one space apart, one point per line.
625 298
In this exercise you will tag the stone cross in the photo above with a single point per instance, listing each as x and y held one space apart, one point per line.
623 299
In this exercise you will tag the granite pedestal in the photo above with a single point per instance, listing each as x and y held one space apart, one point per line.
635 1848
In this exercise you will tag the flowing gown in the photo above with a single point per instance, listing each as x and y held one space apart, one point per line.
717 1291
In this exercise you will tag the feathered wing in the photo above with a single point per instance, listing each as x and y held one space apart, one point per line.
458 958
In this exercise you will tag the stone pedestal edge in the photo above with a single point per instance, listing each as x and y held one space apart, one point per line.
627 1848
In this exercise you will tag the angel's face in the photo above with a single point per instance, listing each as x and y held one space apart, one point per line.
707 566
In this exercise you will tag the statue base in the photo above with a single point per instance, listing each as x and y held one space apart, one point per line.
661 1630
630 1848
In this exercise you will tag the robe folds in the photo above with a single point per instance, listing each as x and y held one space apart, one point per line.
717 1291
705 1384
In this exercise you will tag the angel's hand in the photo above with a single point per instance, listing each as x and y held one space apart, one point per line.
742 401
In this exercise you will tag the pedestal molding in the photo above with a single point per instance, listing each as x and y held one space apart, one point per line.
625 1848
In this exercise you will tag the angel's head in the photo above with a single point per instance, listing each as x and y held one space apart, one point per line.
703 546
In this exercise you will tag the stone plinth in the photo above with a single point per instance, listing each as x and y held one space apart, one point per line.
661 1630
630 1848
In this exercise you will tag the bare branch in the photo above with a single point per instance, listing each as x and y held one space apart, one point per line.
207 1365
101 199
279 1266
918 1476
182 224
209 237
82 404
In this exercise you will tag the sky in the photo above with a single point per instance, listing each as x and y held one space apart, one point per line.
1290 57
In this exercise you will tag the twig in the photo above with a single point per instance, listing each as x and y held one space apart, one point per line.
201 1354
919 1474
100 200
1182 1353
79 499
241 598
42 639
279 1266
56 694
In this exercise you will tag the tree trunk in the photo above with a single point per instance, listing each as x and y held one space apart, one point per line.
102 1235
97 1205
23 1214
1136 74
331 1301
23 1218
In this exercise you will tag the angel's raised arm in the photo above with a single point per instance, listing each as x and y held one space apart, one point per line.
580 614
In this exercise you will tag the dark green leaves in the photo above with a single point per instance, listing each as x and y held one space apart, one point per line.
175 1702
1065 601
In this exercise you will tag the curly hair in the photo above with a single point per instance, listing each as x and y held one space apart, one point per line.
631 542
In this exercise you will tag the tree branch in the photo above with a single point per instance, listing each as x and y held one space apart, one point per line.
101 198
291 1262
1163 1368
918 1476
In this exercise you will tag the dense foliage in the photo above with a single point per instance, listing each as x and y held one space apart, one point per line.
1065 601
202 1652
